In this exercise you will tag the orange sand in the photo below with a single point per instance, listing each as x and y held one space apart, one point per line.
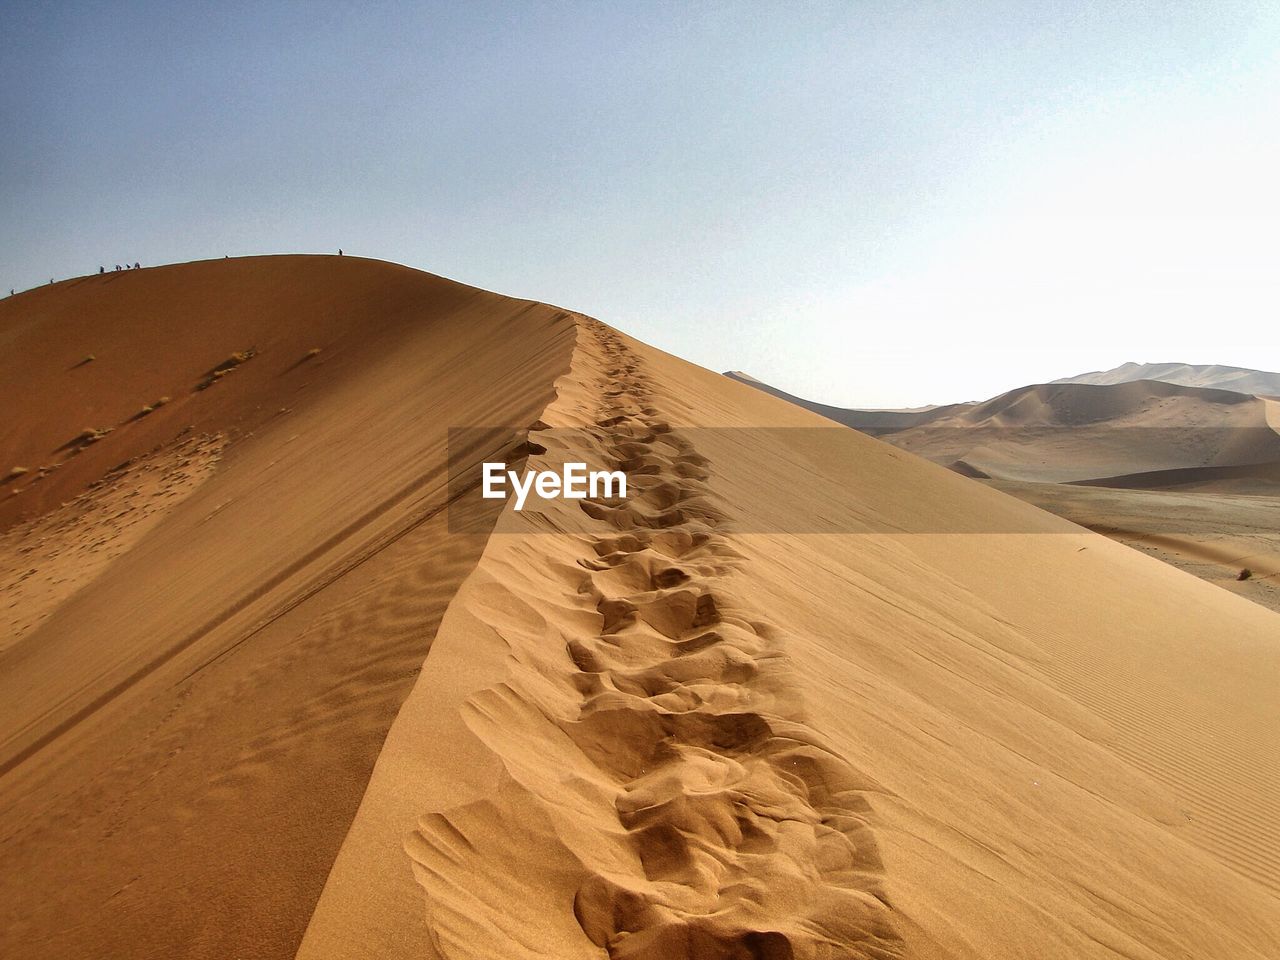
671 727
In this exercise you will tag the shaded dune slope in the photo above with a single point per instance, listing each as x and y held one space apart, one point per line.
1252 478
213 634
679 726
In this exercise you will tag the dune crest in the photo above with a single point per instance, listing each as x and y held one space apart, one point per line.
720 823
646 731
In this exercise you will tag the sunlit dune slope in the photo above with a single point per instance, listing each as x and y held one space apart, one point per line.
799 694
211 610
805 695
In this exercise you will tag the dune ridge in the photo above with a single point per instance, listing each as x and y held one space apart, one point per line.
1262 479
989 765
725 826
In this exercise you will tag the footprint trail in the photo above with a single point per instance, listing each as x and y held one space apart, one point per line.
707 820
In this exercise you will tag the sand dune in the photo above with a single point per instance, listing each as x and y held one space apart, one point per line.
1113 431
1070 432
664 735
1261 479
1238 379
875 423
214 640
799 695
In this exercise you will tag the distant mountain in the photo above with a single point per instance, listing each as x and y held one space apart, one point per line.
1236 379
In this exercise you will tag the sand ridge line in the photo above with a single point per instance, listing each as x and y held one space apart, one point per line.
721 824
724 796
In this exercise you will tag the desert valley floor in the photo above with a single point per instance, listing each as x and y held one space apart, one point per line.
272 685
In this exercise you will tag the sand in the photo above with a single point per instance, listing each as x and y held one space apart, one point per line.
188 719
801 695
1142 433
1201 463
1077 432
1213 533
658 737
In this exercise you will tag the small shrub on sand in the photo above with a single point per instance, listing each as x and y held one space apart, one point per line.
15 473
225 367
88 435
1245 574
235 360
150 408
313 352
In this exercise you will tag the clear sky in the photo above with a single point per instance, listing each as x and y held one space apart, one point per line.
868 204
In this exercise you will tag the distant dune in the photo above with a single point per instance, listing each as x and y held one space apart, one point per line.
1074 432
1261 478
1077 432
799 695
1238 379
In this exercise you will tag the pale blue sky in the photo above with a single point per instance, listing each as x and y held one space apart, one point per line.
864 203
